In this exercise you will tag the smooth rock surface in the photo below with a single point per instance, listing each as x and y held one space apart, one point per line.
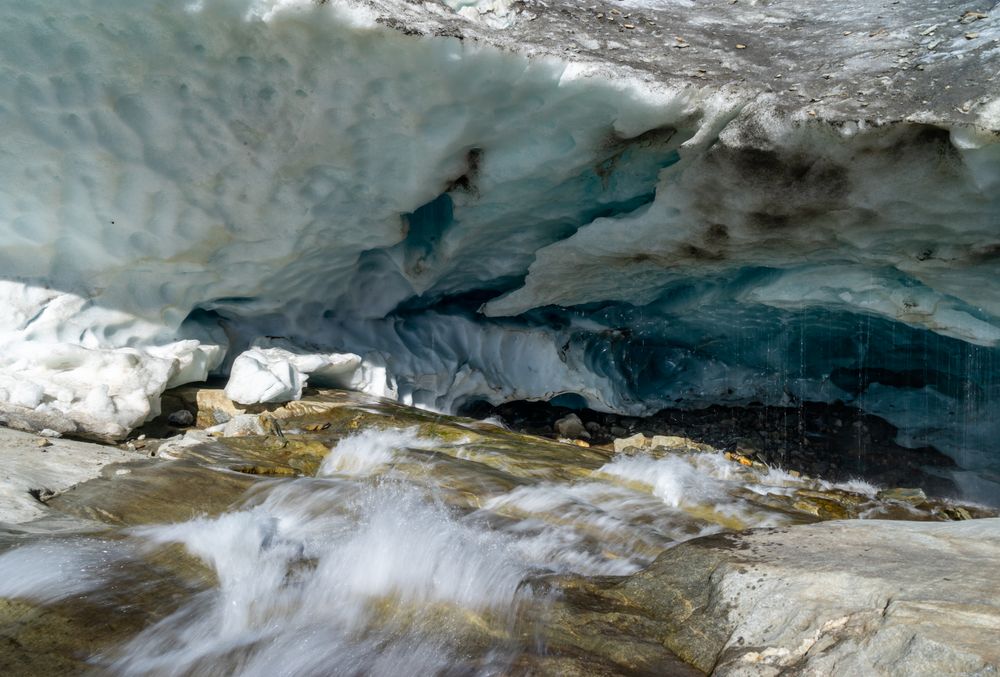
836 598
637 441
26 466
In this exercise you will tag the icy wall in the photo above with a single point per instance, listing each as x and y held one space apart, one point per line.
473 221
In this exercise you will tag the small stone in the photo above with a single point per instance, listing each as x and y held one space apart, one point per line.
48 432
971 36
740 46
972 15
957 513
795 473
571 426
42 442
618 431
582 443
182 418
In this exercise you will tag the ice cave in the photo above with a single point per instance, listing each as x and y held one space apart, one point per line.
180 182
618 207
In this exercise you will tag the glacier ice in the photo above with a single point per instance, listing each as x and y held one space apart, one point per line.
441 204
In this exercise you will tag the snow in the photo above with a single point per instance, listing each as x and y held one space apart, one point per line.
275 370
437 220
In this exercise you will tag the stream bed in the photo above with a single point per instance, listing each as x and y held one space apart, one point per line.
347 535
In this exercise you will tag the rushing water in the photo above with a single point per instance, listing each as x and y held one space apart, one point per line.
394 559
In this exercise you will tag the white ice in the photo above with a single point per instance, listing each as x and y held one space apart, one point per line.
179 179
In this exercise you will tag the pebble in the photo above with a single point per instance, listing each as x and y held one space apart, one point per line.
182 418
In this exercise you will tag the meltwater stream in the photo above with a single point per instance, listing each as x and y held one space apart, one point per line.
405 554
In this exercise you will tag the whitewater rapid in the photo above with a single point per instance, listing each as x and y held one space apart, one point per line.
392 559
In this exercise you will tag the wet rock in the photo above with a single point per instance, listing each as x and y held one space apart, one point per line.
243 425
182 418
889 598
63 464
903 495
571 426
637 441
679 443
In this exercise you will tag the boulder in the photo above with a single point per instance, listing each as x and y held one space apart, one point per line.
865 597
637 441
572 427
675 442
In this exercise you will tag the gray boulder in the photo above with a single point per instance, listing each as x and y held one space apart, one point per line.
836 598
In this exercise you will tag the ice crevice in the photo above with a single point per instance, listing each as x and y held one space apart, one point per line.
297 193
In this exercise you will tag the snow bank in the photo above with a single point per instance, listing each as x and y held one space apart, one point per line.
275 370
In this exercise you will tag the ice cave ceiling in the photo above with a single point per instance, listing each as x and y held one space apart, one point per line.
711 203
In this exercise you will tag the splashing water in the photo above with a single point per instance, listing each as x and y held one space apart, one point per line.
404 555
307 576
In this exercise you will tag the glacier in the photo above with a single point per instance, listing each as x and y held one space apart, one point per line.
449 202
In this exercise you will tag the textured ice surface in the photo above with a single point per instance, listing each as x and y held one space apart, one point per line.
275 370
463 215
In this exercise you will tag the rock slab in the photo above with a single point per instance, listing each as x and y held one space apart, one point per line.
837 598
